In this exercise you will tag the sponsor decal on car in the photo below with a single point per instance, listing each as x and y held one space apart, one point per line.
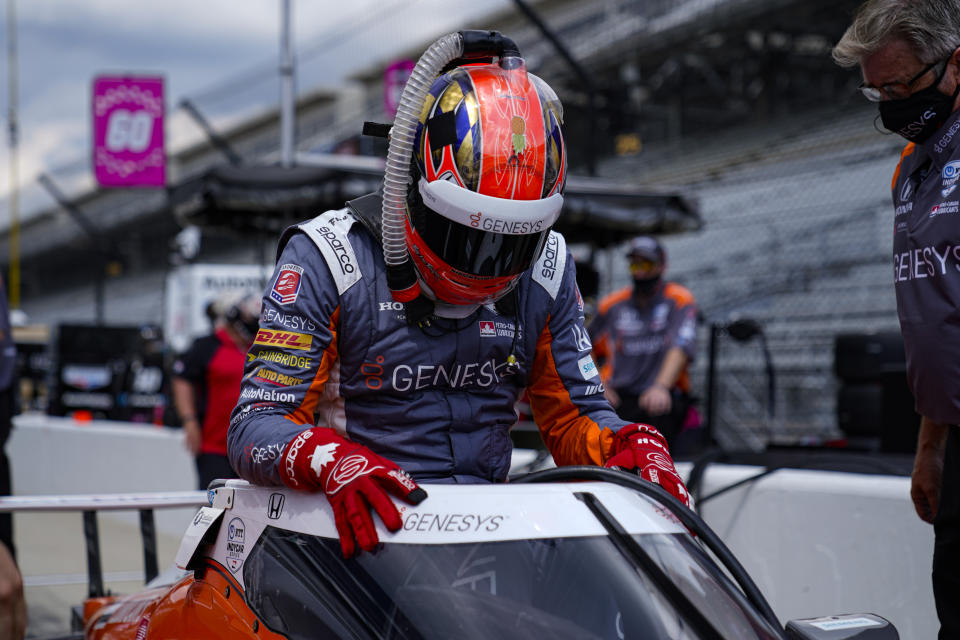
452 522
286 287
236 543
275 506
286 339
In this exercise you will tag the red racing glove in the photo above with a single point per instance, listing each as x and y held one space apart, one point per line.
641 448
354 480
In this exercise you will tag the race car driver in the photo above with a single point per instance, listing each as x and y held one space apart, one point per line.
362 373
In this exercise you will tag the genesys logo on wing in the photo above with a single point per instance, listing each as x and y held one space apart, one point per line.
286 287
285 339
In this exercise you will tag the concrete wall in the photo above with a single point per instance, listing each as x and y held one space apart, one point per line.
823 543
51 456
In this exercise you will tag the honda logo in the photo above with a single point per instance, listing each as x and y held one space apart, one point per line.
276 506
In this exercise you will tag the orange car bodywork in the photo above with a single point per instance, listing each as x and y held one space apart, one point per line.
208 604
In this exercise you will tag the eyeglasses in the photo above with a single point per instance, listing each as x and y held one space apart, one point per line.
901 90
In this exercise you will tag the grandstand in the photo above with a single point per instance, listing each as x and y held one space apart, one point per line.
797 235
735 102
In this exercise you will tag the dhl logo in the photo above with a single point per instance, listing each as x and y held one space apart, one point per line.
285 339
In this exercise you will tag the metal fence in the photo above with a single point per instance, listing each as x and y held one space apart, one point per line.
797 236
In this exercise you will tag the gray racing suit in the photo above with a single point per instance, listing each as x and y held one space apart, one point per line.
334 349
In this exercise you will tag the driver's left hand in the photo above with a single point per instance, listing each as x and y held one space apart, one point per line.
642 448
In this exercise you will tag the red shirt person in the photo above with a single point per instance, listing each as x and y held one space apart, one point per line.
206 387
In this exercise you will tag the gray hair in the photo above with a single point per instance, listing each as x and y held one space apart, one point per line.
930 27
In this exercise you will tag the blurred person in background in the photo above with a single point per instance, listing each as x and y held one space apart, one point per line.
206 384
644 337
909 56
8 408
386 371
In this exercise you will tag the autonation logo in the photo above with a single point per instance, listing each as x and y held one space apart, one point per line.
267 395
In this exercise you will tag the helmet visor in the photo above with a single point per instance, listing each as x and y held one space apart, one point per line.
480 235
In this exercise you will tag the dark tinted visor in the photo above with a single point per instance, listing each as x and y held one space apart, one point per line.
473 251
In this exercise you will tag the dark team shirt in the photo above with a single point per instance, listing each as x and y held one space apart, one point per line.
8 351
214 366
926 269
633 337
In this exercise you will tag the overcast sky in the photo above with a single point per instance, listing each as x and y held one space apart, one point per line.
214 51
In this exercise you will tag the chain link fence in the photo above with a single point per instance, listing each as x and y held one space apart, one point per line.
797 237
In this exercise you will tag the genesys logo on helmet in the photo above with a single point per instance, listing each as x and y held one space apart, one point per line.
285 339
499 215
286 287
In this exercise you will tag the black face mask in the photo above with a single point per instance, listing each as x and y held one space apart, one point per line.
643 287
917 117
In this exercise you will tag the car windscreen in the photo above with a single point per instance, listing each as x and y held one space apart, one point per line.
580 587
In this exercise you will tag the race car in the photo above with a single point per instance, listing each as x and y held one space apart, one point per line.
576 552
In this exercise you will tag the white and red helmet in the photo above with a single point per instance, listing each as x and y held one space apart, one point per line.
489 166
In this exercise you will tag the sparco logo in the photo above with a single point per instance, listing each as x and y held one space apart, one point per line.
549 269
269 395
290 459
339 250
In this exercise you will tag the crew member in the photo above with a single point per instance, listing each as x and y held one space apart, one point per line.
404 329
644 336
909 55
206 386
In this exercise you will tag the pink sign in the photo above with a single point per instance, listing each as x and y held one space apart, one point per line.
128 131
394 79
